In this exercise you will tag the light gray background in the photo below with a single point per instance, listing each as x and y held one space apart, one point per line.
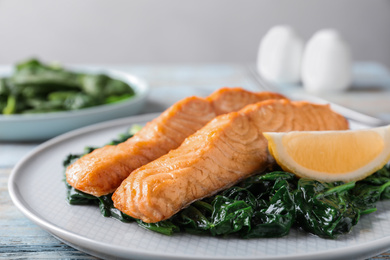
179 31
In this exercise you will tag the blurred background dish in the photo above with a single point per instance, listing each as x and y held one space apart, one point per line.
41 126
36 87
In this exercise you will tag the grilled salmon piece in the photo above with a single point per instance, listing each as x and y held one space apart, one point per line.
102 171
228 149
226 100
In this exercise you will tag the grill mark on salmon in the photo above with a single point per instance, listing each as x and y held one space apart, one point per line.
228 149
101 172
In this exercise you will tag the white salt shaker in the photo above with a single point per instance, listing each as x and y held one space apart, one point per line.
280 54
326 63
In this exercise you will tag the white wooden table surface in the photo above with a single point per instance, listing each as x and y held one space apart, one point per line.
22 239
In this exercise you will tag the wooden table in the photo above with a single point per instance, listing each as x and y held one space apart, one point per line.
22 239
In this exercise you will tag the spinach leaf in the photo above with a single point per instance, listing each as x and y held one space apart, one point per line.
33 72
230 216
164 227
372 189
10 107
325 209
104 88
195 219
76 197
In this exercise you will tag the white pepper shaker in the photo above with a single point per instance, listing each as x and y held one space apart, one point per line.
280 54
326 63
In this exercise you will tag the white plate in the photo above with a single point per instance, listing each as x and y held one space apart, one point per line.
37 189
47 125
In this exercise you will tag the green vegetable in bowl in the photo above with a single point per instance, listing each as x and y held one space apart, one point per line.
265 205
35 87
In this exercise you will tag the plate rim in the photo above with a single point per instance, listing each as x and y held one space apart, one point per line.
101 248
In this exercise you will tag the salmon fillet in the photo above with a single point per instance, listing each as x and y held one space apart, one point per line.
228 149
102 171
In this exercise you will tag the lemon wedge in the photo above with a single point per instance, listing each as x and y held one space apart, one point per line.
328 156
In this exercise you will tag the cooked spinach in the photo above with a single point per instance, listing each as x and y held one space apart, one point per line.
325 209
35 87
264 205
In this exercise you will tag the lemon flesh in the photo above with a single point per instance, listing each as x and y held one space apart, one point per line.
331 155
